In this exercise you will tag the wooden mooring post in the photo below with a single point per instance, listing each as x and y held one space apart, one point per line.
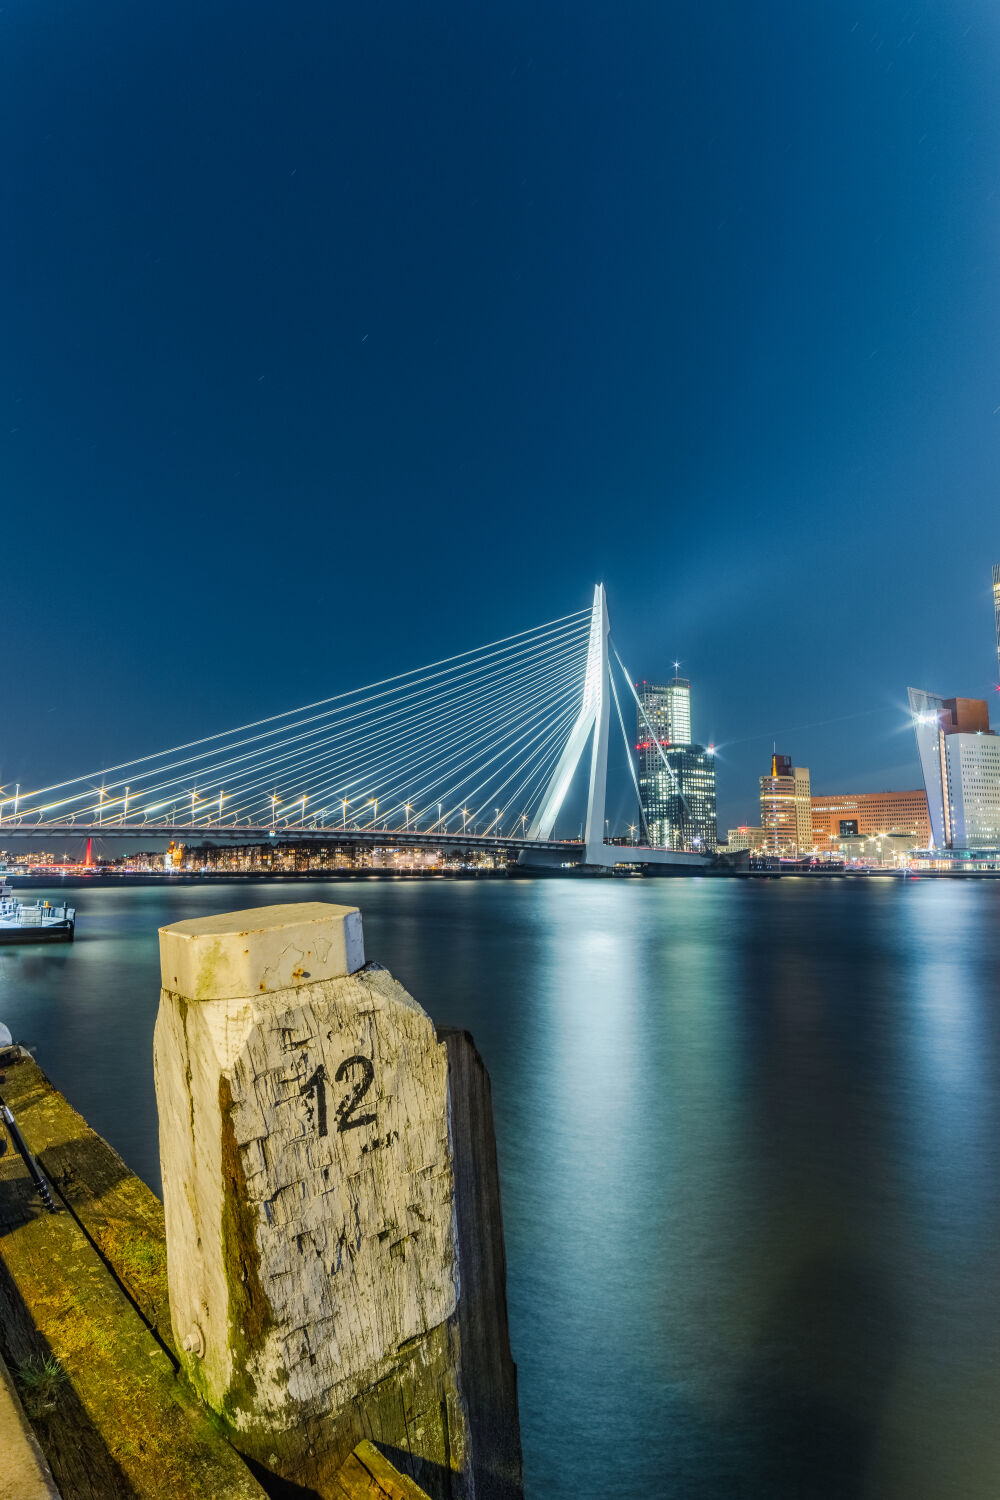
334 1241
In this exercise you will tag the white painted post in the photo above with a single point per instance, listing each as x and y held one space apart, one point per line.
308 1181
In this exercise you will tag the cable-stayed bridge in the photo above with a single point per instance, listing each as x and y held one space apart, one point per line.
478 749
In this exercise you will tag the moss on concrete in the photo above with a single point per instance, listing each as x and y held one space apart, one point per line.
120 1423
250 1317
38 1382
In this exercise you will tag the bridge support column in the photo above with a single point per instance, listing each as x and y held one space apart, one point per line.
591 727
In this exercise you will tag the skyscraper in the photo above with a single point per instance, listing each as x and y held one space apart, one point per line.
667 710
678 799
786 808
676 776
960 760
996 606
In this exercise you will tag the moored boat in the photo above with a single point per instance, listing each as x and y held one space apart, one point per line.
37 922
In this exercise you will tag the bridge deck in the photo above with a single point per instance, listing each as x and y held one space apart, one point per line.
215 833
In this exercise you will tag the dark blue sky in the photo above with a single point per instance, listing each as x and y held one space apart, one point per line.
338 337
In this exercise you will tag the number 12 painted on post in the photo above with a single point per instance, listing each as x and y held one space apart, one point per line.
347 1118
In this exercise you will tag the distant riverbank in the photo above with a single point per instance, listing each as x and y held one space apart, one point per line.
220 877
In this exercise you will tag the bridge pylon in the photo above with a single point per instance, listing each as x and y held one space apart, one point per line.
591 727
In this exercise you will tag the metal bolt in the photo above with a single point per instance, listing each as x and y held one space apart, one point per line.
194 1343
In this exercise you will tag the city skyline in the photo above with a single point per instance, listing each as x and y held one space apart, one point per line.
678 689
306 366
499 756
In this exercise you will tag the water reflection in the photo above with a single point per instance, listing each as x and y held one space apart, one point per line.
747 1138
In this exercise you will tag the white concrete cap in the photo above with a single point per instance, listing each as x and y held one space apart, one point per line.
242 953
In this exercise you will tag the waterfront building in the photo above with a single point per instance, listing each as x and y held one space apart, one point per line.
745 837
786 808
960 760
844 815
678 799
666 708
676 776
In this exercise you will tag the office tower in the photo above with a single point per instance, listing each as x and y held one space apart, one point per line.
867 815
676 776
666 710
786 808
678 799
996 606
960 760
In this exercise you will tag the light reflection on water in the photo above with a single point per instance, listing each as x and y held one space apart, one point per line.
748 1139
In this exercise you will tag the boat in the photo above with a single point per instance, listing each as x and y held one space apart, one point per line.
40 922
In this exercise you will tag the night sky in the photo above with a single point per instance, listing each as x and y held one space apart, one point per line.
337 338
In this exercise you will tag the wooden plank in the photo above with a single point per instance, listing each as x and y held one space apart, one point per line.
368 1475
124 1219
122 1216
117 1424
24 1474
488 1372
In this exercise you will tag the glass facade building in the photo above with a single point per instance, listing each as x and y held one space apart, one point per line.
676 776
960 760
666 708
679 804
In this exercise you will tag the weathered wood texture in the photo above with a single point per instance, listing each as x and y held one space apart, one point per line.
118 1211
125 1220
368 1475
336 1264
488 1374
312 1259
303 1252
24 1473
120 1424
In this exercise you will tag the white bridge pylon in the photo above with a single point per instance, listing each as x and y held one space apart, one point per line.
591 727
481 744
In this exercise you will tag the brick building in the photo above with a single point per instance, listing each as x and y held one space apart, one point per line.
864 814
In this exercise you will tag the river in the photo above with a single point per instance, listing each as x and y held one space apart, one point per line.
749 1141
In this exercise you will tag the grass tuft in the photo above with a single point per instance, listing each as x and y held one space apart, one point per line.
39 1381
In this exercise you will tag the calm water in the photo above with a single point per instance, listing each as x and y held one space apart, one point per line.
749 1137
